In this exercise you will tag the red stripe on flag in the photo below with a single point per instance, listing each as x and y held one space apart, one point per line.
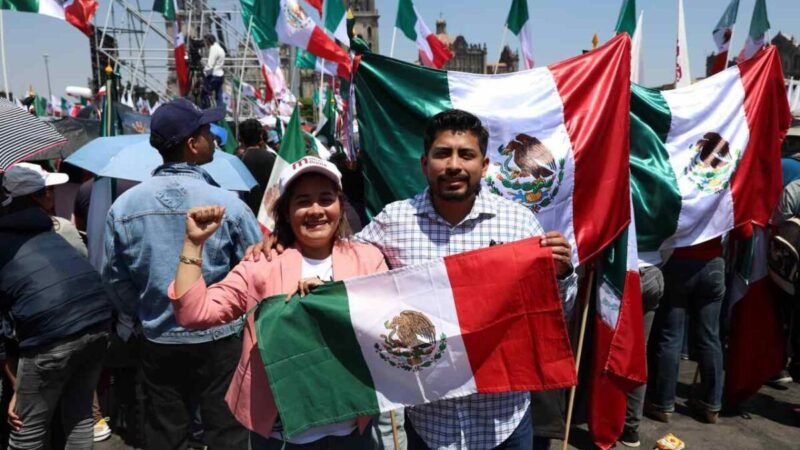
755 187
619 365
316 4
511 319
756 344
441 54
324 47
595 90
181 69
720 63
270 91
80 13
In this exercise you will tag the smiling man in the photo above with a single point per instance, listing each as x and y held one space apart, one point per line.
455 215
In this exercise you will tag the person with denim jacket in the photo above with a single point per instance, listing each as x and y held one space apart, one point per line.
143 239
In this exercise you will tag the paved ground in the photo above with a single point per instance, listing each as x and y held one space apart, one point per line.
768 424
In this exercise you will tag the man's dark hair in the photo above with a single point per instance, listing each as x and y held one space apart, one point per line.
250 132
173 152
210 39
455 120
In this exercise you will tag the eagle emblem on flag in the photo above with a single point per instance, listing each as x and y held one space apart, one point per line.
411 343
711 167
528 173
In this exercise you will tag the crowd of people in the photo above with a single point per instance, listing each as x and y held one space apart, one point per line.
177 283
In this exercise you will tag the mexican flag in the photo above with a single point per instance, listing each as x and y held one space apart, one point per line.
618 359
268 54
757 37
78 13
432 52
518 22
316 4
704 158
558 136
381 343
293 148
756 344
722 36
285 21
683 76
249 91
306 60
627 23
169 9
336 20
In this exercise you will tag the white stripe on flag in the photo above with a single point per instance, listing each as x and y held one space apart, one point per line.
424 289
422 36
713 105
294 25
531 105
52 8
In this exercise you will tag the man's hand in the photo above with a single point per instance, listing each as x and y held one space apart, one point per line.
13 419
202 222
562 252
253 253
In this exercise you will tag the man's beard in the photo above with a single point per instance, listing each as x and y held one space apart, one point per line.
456 196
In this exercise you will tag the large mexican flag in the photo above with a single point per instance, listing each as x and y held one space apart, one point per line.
558 136
372 344
78 13
706 158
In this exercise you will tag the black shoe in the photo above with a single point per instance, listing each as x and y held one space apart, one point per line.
630 438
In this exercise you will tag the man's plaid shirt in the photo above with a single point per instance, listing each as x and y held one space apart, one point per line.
411 232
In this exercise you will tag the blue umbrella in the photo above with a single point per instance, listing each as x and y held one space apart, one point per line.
130 157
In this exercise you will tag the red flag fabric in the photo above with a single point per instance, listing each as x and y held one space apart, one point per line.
80 13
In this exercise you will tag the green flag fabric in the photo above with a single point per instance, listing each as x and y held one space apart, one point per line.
626 22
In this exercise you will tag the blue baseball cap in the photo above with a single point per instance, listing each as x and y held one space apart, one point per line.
175 121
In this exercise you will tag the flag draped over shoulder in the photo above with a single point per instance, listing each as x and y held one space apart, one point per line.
381 343
78 13
546 152
704 157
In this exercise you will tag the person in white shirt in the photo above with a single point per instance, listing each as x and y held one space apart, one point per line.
215 75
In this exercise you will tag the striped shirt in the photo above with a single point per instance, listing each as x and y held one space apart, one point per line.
412 232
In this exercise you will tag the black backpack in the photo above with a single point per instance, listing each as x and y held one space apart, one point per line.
784 255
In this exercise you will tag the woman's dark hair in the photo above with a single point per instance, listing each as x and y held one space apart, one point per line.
283 224
251 132
455 120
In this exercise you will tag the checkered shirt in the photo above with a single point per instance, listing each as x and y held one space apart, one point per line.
411 232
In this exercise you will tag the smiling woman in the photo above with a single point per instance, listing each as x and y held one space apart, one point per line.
310 224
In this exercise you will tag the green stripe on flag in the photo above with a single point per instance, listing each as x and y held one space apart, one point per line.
293 144
327 346
407 19
759 24
626 22
517 16
20 5
265 15
615 263
405 95
654 186
166 8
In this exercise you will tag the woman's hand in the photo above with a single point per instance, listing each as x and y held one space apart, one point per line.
202 222
304 286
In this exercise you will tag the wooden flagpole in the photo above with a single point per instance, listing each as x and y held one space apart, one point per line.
584 316
395 437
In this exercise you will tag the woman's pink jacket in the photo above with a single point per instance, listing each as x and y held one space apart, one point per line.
249 396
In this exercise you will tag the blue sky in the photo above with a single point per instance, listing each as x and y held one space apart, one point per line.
561 29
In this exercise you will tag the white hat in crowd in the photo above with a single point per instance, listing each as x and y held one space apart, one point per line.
309 164
26 178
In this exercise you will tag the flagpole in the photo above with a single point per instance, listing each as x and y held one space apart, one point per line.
502 44
141 48
319 94
581 335
241 77
394 39
3 50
